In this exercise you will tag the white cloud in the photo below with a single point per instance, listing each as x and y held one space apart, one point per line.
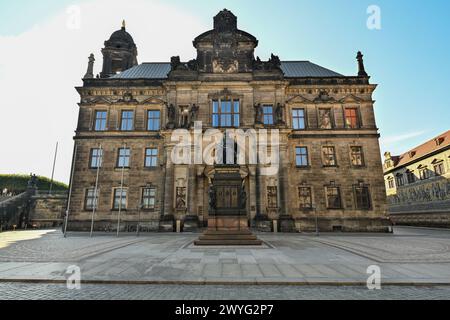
400 138
40 68
399 144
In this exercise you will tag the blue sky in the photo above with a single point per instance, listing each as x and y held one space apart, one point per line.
408 57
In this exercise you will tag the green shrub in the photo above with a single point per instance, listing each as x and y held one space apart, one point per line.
17 183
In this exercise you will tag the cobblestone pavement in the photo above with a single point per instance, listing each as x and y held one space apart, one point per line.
20 291
410 256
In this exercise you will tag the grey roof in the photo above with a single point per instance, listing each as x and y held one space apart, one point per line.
291 69
306 69
152 70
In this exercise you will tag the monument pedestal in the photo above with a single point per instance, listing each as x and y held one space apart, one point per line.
228 231
228 221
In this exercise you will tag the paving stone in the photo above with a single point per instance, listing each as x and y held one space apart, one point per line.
330 257
21 291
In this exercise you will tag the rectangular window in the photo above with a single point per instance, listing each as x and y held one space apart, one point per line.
391 184
100 120
123 160
411 177
153 120
329 156
120 199
301 156
298 119
305 198
272 197
148 198
96 158
439 169
351 118
357 156
225 113
325 119
362 198
400 180
267 114
127 120
424 174
333 198
91 199
151 157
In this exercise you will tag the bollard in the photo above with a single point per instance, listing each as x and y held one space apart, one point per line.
178 226
275 226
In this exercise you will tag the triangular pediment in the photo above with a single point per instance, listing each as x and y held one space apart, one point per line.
98 100
299 99
153 100
351 98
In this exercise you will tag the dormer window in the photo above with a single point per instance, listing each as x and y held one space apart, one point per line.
412 154
439 141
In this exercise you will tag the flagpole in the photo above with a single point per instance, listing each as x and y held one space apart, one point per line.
121 195
53 170
139 218
94 207
70 189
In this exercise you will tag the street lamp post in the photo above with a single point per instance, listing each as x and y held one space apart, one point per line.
317 221
140 206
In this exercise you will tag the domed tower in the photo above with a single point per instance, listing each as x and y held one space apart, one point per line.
119 53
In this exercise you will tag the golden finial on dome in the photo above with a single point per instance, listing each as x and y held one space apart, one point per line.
123 24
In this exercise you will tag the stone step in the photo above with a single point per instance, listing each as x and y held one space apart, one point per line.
228 232
228 237
228 242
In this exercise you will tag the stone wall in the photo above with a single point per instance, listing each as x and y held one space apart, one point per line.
47 211
434 220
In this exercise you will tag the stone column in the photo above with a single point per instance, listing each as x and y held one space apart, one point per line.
167 219
287 223
252 191
262 219
201 191
191 219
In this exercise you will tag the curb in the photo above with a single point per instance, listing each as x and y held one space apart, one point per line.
228 283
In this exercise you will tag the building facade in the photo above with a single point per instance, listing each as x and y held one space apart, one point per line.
329 173
418 184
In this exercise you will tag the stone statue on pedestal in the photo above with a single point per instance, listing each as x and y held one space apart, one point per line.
258 113
171 115
279 114
194 114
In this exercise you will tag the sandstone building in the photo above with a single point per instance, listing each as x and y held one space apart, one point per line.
418 184
329 176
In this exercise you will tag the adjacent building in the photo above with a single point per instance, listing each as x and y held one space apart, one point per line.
329 174
418 184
